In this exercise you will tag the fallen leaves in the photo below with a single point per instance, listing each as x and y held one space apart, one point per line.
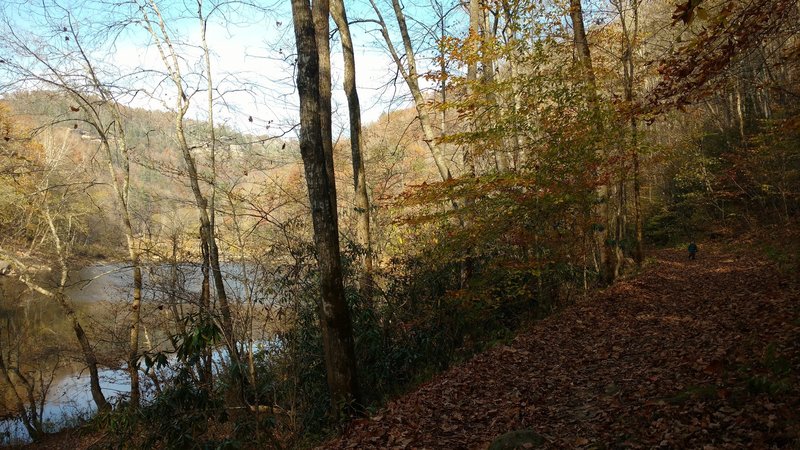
677 358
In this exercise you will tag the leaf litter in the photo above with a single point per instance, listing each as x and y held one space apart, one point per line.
688 354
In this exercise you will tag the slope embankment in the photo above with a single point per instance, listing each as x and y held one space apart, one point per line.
688 354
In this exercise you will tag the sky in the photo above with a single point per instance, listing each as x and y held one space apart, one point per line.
252 55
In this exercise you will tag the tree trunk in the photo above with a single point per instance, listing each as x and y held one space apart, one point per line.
411 76
320 12
488 77
582 51
122 191
88 354
638 253
362 208
740 110
472 78
133 350
337 333
630 38
207 233
584 57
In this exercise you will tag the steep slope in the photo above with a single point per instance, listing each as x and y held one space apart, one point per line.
690 354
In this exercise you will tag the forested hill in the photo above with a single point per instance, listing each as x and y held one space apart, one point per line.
149 131
689 354
68 136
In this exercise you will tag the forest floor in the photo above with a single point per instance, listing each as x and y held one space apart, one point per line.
686 354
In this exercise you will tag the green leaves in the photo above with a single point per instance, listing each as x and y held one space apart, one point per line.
159 360
202 334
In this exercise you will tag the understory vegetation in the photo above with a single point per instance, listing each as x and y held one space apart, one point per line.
274 282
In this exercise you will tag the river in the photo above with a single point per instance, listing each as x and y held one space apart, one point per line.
99 294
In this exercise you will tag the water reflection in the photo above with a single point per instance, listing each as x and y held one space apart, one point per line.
69 401
99 293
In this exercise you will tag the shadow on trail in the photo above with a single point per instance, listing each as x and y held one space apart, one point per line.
690 353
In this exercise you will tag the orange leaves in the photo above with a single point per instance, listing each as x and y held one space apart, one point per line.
728 31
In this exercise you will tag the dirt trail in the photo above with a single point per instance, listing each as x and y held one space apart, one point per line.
689 354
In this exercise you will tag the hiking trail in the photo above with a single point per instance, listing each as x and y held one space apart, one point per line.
687 354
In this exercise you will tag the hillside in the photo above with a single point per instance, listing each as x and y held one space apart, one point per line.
690 354
257 263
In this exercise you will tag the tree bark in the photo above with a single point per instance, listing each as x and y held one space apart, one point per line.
601 210
207 233
320 12
487 33
630 39
362 208
411 78
337 333
472 78
583 54
88 354
740 111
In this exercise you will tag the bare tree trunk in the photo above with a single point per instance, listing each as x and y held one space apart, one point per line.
584 58
362 207
509 12
487 60
210 252
582 51
620 223
475 18
337 332
207 233
123 190
320 12
740 110
472 78
629 42
133 348
205 372
637 207
638 253
411 78
88 354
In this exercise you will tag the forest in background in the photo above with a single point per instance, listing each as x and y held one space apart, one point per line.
545 147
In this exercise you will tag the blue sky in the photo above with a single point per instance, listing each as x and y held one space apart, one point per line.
251 48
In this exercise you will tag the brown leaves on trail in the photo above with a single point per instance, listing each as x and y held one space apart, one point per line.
690 354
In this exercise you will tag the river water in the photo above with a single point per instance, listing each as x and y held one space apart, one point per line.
95 291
